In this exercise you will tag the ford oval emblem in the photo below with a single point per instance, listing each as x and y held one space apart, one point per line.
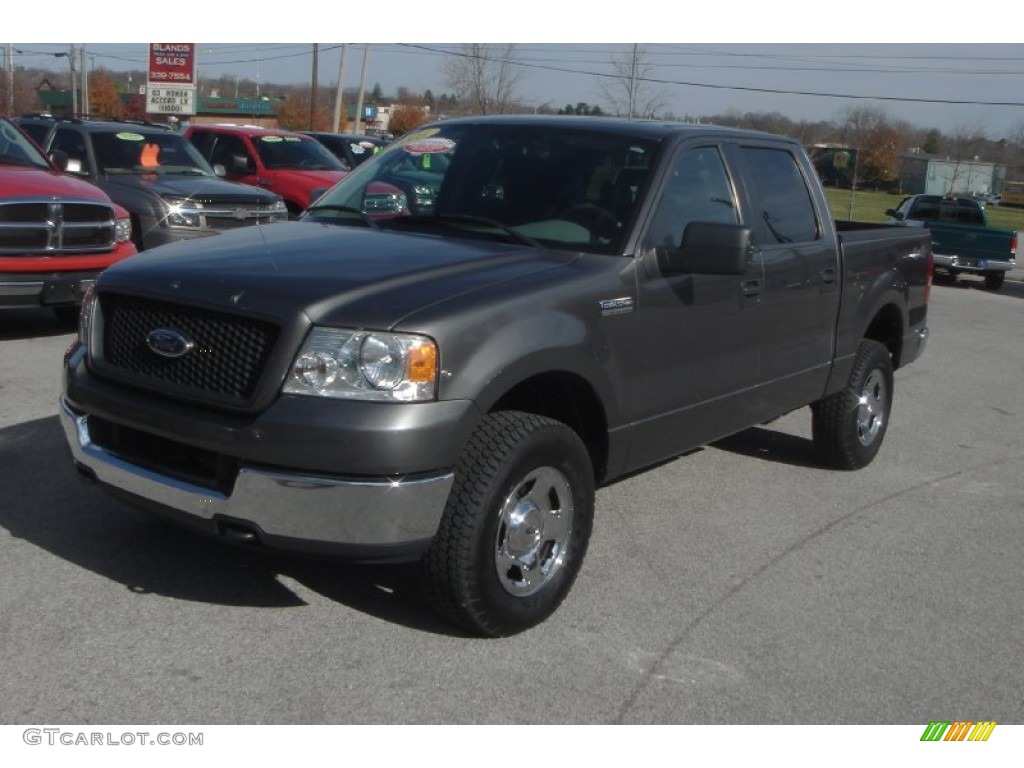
167 342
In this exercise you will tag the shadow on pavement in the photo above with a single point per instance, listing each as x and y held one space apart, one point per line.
44 502
31 324
770 445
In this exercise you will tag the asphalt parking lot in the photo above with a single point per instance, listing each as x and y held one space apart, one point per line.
740 584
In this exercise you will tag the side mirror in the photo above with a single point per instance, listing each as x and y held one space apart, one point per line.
60 158
892 213
710 248
242 164
219 170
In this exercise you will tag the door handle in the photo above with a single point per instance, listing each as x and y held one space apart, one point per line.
828 275
751 287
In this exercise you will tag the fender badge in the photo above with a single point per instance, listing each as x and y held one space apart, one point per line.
616 306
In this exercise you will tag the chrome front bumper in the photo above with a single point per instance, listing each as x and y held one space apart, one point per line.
283 509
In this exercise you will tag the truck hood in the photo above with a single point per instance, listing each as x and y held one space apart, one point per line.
22 181
297 272
199 188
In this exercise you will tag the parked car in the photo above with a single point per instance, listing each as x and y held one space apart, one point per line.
350 148
962 239
168 188
586 297
295 166
57 232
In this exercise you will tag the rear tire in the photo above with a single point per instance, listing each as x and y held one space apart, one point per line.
516 527
994 280
849 426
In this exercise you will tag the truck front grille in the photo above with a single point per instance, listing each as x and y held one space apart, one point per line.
226 215
49 226
223 366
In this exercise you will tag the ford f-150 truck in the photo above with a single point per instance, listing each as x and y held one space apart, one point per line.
962 240
583 298
57 233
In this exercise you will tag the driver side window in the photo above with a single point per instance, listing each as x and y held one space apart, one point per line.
697 189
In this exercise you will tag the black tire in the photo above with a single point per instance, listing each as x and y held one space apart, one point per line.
516 527
994 280
849 426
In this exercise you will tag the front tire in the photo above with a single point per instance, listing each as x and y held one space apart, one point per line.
516 527
849 426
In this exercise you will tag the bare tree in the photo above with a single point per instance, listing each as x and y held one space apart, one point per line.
628 90
964 144
484 77
879 142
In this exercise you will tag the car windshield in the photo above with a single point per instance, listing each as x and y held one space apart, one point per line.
161 152
295 152
16 149
559 186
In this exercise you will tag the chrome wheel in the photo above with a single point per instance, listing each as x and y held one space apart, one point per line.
533 532
871 408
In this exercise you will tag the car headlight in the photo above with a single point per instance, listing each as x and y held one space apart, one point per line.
365 365
277 211
85 318
123 230
184 213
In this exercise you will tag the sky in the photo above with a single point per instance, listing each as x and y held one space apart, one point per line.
809 68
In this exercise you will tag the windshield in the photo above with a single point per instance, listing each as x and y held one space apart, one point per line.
163 152
560 186
295 152
16 149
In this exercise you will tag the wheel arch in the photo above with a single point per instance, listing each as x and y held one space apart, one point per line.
568 398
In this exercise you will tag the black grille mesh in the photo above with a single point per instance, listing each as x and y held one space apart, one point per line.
224 365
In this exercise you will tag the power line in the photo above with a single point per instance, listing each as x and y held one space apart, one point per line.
745 88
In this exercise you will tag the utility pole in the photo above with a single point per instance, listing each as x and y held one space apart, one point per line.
74 83
632 83
362 89
9 56
312 88
341 87
85 80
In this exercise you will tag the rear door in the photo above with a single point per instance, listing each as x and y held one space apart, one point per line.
798 255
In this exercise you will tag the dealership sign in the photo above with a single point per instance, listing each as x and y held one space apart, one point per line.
171 84
161 100
172 63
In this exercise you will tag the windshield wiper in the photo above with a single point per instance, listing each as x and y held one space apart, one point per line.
343 209
453 220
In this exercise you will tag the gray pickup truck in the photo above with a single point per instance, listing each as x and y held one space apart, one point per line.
449 351
962 240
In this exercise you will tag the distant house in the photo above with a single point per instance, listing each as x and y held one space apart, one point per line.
934 175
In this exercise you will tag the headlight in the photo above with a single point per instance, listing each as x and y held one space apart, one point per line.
85 318
123 230
184 213
277 211
365 365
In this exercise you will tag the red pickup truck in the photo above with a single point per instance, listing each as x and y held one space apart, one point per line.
295 166
57 233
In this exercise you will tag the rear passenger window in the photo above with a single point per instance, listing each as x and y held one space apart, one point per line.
786 213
